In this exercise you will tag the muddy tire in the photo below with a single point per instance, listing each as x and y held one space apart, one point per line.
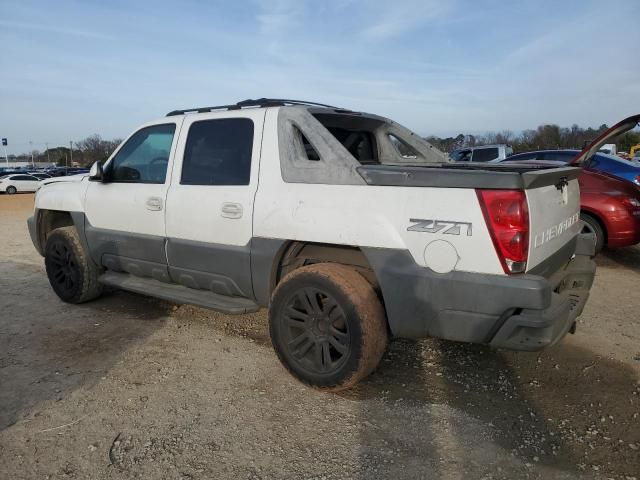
72 274
327 326
592 225
12 190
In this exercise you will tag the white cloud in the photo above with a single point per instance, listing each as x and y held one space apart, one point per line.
273 23
278 17
390 19
53 29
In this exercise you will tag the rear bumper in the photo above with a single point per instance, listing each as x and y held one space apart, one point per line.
521 312
529 329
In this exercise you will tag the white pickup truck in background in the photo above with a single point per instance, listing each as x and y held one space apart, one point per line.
347 226
483 153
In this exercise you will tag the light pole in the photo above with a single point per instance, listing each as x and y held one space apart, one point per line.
31 148
70 153
47 145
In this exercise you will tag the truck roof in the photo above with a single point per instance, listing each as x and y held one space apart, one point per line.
255 103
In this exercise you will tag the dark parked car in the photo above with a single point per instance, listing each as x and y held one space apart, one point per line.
600 162
40 175
64 171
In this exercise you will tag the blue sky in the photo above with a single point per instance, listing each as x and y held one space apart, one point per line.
69 69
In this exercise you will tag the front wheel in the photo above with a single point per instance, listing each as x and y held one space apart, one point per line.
591 225
327 326
12 190
72 274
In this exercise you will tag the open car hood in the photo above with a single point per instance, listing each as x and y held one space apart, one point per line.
618 129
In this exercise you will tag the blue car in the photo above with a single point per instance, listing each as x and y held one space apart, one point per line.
601 162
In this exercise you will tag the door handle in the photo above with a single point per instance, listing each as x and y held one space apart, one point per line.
231 210
154 203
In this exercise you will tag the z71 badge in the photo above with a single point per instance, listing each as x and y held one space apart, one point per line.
447 227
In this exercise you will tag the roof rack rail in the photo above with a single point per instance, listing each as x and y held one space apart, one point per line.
259 102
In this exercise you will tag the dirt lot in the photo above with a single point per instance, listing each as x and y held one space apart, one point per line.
128 386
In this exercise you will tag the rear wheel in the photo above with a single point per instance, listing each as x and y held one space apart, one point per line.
327 326
72 274
12 190
592 225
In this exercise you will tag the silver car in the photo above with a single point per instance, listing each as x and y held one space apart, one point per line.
484 153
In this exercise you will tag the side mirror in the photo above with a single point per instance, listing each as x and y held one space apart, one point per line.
96 173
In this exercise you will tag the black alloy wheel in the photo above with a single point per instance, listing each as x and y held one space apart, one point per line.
327 326
315 331
62 268
72 274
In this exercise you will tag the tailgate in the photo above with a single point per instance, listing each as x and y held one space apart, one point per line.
553 198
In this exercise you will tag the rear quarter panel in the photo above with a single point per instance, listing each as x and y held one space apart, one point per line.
369 216
601 197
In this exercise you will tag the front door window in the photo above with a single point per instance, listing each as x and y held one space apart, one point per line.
145 156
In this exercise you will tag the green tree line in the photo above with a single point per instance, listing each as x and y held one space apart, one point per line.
544 137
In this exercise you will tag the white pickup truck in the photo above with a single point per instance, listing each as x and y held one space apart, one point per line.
347 226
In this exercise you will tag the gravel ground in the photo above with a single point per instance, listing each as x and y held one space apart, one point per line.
131 387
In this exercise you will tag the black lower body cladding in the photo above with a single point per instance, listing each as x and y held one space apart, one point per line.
535 329
523 312
33 233
526 312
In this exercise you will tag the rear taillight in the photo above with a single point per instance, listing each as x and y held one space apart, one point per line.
507 217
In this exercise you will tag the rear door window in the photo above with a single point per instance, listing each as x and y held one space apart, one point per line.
485 154
218 152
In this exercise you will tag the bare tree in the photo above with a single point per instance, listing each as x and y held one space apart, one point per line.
95 148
